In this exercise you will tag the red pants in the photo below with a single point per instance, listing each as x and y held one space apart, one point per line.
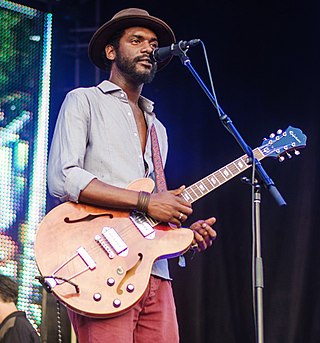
152 319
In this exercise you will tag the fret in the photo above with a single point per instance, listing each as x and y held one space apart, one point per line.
226 172
203 187
219 175
196 190
200 186
241 163
206 182
186 195
236 166
191 189
213 180
233 168
258 154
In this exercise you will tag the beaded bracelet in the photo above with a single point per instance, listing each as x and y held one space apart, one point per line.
143 202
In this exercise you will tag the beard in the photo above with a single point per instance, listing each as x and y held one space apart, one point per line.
128 67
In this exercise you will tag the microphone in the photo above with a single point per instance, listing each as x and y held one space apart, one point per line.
161 54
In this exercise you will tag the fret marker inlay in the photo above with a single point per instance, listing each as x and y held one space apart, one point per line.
240 165
213 180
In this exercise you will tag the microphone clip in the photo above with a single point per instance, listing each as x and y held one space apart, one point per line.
175 49
183 46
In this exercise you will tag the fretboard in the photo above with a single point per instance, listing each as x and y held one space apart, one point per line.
219 177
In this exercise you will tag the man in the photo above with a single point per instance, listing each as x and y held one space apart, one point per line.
102 142
14 326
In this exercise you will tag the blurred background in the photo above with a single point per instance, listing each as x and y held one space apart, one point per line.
264 59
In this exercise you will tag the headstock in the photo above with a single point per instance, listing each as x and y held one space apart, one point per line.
280 145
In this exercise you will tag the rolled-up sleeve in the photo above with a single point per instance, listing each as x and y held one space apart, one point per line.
66 174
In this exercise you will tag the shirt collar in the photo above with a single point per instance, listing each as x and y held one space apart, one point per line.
109 87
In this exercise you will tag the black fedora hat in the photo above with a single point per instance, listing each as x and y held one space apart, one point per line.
128 18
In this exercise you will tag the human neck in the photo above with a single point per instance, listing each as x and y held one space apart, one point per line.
132 89
6 309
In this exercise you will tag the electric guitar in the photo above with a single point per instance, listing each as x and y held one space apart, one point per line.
98 261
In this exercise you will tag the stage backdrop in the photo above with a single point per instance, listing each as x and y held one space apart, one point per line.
25 49
264 58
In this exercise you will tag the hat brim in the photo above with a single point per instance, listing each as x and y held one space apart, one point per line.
103 35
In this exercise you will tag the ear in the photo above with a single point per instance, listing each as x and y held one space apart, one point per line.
110 52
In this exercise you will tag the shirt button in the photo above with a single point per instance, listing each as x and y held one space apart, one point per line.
135 134
122 95
129 113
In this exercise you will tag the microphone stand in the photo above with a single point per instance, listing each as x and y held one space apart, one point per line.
264 179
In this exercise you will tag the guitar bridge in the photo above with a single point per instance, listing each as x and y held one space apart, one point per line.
144 224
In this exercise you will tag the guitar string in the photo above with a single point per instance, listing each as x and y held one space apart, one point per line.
126 230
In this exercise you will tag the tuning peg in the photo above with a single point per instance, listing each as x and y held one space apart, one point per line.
272 135
288 155
281 158
297 152
279 131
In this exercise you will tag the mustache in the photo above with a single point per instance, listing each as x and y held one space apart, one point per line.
144 58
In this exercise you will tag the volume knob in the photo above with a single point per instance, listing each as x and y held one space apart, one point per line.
130 288
97 296
110 281
116 303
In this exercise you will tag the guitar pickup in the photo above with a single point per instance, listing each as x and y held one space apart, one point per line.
116 242
143 224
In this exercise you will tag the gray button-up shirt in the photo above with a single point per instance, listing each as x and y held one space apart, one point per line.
96 137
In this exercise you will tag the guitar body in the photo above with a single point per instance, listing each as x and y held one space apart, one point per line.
112 272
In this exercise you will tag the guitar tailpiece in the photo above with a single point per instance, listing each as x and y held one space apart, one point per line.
44 283
49 282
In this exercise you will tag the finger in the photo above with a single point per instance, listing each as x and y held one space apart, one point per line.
211 221
178 191
200 240
200 223
207 238
182 217
175 222
208 231
204 228
177 219
196 225
186 210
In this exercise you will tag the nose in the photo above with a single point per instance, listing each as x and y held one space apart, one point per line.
147 47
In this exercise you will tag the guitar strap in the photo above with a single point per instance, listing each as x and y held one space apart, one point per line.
160 178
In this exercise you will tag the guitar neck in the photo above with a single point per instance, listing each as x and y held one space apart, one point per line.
275 146
219 177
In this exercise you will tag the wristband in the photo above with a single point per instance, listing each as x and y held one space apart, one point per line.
143 202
